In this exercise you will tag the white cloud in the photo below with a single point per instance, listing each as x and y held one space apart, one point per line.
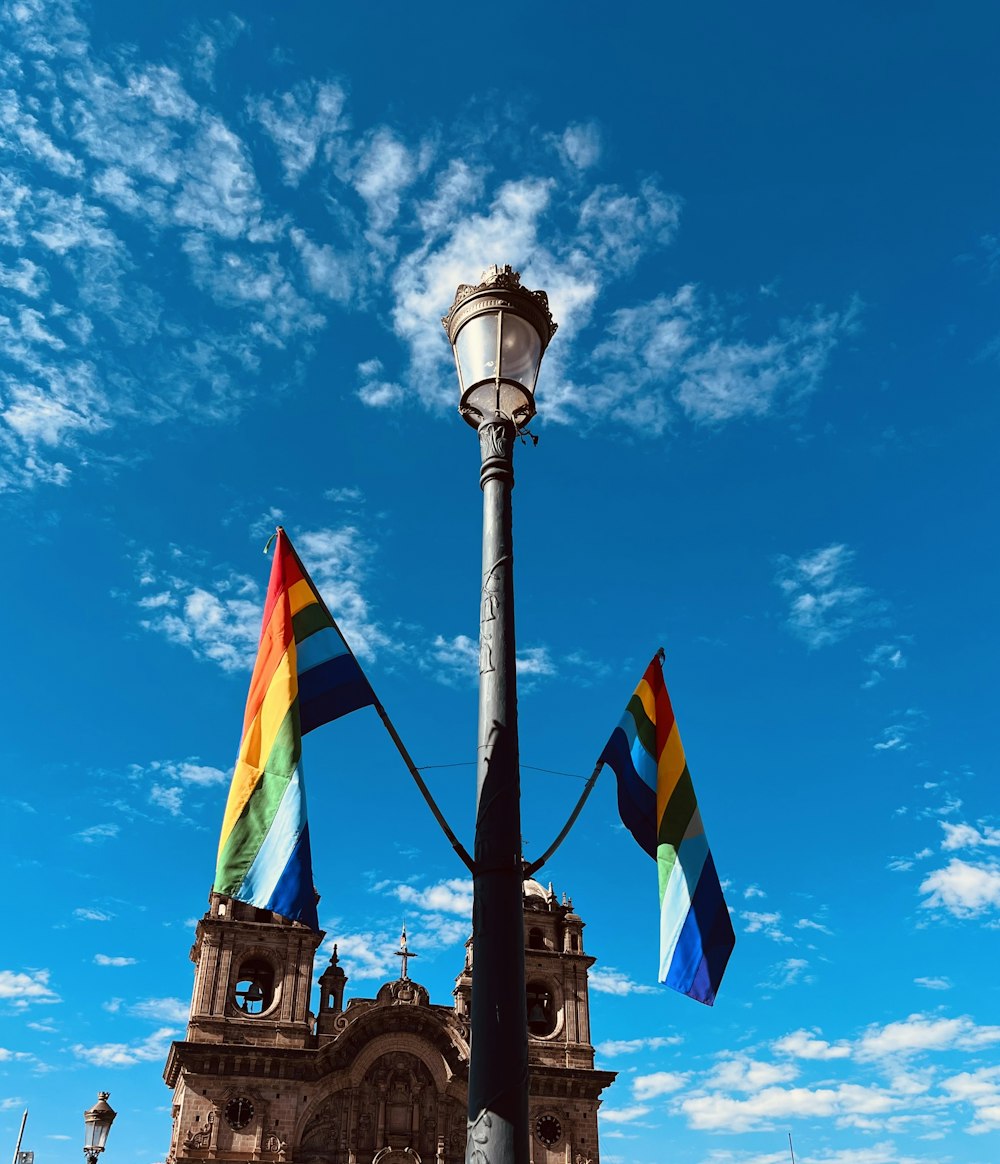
301 122
26 277
981 1089
451 896
151 1049
162 1010
966 836
775 1105
581 145
94 834
824 604
741 1073
936 983
167 797
805 923
85 913
24 988
608 980
203 775
787 973
623 1115
754 891
806 1045
646 1087
769 924
365 954
611 1048
114 960
920 1033
963 889
374 390
330 273
385 169
886 657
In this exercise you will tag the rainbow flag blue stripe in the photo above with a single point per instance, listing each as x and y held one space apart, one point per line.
657 804
305 676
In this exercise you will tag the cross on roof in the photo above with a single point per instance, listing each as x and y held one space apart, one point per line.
405 954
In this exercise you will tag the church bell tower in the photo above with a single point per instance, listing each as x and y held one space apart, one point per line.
261 1079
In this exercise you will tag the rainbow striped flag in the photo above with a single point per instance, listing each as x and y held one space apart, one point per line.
305 676
658 806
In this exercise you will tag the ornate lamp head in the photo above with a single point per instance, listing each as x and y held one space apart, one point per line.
499 331
98 1121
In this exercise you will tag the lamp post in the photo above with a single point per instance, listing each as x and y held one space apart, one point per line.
499 331
98 1121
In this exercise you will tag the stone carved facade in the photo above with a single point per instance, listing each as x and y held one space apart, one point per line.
259 1078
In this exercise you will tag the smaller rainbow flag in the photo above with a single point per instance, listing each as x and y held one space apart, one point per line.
305 676
658 806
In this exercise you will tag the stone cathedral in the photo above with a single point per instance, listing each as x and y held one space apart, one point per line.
259 1077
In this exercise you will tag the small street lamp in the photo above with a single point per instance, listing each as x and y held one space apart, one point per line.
98 1121
499 331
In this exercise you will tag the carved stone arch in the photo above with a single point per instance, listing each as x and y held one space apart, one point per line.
323 1124
409 1153
417 1045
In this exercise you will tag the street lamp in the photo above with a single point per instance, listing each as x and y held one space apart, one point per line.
98 1121
499 331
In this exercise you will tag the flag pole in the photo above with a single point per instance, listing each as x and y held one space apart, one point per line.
20 1134
790 1148
383 715
532 868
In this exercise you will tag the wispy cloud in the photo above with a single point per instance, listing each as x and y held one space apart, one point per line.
884 659
162 1010
86 913
114 960
934 983
608 980
95 834
112 159
610 1048
767 923
218 618
824 603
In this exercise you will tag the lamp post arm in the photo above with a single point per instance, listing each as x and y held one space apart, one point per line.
383 715
531 869
456 844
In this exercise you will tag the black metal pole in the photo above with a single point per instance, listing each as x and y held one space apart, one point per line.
498 1070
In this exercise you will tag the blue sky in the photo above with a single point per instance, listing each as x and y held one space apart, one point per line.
770 237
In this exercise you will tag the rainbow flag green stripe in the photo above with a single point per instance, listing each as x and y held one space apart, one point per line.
657 803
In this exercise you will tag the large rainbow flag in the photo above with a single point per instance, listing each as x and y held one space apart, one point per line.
658 806
305 676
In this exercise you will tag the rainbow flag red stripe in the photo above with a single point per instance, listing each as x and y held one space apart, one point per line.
305 675
657 804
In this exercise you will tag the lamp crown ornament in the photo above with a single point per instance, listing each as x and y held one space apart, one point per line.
497 278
